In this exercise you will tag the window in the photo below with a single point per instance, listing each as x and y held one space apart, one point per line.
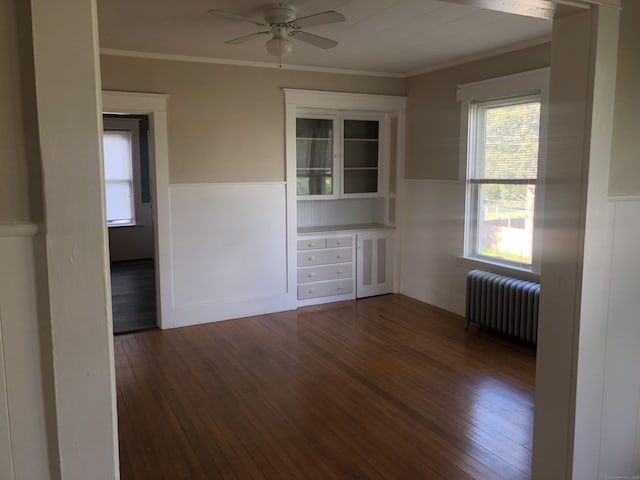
502 169
118 177
121 148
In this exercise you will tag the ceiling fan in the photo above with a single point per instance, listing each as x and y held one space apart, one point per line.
283 25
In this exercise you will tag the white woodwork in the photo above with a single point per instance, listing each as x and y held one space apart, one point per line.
323 257
310 214
325 289
576 267
432 236
340 142
339 242
312 243
335 139
519 84
382 162
325 272
6 455
155 106
374 263
313 213
620 438
23 424
76 310
228 251
338 256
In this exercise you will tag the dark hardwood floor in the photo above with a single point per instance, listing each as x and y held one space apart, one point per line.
133 295
380 388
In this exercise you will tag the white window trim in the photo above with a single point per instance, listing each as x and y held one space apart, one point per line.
131 125
534 82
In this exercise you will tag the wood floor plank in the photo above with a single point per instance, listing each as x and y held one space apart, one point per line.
380 388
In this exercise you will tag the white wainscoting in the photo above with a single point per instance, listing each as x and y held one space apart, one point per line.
228 252
314 213
431 238
620 439
23 434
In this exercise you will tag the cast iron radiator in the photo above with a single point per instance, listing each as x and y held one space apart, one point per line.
503 304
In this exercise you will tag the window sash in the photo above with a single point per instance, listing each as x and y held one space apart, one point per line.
474 214
503 181
122 184
476 225
477 133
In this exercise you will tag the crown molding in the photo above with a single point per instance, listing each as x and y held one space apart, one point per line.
244 63
480 56
343 71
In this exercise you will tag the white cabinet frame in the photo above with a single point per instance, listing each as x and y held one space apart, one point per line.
335 140
374 263
297 100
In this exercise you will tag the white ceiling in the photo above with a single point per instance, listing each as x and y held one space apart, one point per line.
395 36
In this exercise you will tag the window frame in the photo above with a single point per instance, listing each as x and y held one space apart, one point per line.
511 89
131 125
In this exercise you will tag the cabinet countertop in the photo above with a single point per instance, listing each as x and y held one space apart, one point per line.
343 228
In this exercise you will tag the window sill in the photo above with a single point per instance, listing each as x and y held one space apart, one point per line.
499 268
125 225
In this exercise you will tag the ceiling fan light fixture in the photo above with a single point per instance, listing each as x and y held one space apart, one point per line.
279 47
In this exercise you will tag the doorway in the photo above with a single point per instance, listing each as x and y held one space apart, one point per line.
130 223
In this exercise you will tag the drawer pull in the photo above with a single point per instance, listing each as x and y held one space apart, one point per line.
338 242
310 259
339 256
338 272
311 290
311 244
339 288
310 274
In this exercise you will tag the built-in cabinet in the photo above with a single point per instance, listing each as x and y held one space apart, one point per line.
339 155
325 267
343 151
343 265
374 262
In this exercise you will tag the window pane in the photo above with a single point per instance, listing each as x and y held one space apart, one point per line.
119 200
314 156
314 153
314 182
360 181
505 221
117 155
508 141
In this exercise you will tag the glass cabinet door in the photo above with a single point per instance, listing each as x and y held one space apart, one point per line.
315 166
361 156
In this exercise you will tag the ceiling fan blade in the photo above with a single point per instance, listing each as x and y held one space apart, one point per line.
323 18
315 40
233 16
244 38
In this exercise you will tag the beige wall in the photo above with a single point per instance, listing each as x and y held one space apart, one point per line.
226 123
20 183
433 114
625 155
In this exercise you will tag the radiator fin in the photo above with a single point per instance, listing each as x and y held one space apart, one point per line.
503 304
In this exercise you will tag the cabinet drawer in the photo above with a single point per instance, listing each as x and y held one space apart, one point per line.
325 272
311 243
339 242
324 257
325 289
